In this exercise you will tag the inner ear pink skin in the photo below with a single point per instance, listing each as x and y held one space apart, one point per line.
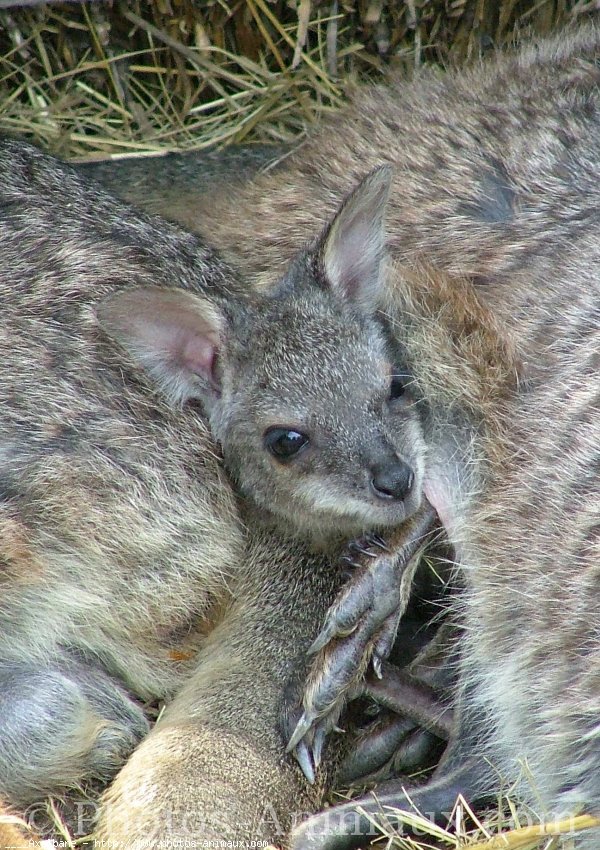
198 354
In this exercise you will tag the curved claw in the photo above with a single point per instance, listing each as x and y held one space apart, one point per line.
303 757
375 747
329 632
377 541
318 743
377 663
362 623
367 545
308 748
384 641
303 726
357 546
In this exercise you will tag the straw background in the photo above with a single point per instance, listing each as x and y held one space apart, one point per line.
101 79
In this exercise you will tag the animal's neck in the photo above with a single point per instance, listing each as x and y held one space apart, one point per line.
319 540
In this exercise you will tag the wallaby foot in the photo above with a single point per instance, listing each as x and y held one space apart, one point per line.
462 770
407 737
345 827
389 746
416 714
61 726
405 694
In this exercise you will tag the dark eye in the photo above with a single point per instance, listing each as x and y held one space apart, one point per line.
397 387
284 443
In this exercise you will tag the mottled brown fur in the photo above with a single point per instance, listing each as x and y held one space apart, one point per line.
496 178
139 381
126 565
14 834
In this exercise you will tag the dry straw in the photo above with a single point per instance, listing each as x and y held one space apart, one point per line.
119 78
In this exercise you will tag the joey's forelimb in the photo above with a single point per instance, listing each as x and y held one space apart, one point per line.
360 627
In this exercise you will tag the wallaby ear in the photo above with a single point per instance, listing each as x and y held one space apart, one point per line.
353 248
175 335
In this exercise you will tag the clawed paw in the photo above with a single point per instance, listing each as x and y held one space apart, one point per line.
359 630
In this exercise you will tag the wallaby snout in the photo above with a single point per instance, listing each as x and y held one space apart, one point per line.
392 481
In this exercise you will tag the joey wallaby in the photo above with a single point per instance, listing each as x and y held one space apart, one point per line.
512 436
139 380
496 178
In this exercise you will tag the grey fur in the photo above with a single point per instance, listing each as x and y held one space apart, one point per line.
130 568
497 176
161 179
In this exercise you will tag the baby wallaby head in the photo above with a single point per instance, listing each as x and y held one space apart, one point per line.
299 388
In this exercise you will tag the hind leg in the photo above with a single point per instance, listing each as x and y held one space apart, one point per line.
62 725
214 767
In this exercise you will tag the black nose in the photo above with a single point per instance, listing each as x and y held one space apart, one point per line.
392 481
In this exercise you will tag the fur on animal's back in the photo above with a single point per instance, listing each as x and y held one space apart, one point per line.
76 435
472 152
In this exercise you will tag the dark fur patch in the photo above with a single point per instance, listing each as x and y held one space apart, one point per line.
495 203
